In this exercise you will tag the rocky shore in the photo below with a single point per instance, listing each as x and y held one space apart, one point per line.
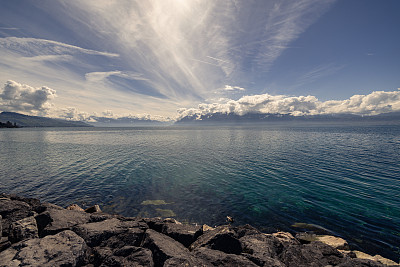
43 234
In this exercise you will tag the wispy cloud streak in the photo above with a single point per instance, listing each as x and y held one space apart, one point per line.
154 55
190 48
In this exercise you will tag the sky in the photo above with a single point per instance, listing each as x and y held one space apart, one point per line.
165 59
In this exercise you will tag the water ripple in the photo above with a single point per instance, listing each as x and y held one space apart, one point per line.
345 179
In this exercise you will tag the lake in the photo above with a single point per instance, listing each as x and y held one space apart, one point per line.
345 179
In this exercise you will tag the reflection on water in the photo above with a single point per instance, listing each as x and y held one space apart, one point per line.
343 179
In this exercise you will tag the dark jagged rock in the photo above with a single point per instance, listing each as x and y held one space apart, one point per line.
183 233
98 217
12 211
223 238
219 258
63 249
261 247
95 233
46 206
164 247
180 262
313 254
265 261
4 243
54 221
361 263
93 209
246 230
155 223
23 229
125 256
131 237
33 202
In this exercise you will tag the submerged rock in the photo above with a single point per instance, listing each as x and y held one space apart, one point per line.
166 212
155 202
312 227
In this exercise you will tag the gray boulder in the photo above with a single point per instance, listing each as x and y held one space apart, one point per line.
183 233
130 237
261 249
164 247
183 262
4 243
55 220
218 258
313 254
125 256
93 209
63 249
96 233
223 238
12 211
361 263
74 207
33 202
23 229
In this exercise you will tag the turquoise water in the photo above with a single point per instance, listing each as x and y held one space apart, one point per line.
345 179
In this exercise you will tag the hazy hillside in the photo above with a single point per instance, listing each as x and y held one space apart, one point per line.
126 122
35 121
232 118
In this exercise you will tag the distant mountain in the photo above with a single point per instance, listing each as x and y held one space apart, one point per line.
269 118
35 121
125 122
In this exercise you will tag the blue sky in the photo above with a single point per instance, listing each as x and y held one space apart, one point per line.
73 59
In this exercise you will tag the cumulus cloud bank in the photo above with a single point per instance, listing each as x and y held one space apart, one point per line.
18 97
374 103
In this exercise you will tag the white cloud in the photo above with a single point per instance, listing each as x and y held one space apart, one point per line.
72 113
233 88
21 97
102 76
375 103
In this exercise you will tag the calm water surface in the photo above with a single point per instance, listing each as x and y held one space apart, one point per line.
345 179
